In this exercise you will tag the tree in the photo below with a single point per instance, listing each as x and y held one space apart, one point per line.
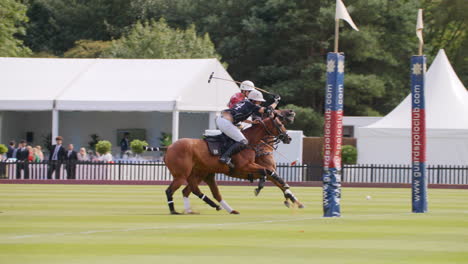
447 30
307 120
12 15
282 46
88 49
56 25
155 39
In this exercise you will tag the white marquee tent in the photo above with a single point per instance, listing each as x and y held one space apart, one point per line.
388 141
32 84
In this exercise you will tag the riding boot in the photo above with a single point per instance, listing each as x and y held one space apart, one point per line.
233 149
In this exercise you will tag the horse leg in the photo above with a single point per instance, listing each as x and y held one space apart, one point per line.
193 183
211 182
185 195
278 181
176 183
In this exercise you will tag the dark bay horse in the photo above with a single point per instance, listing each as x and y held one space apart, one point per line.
189 161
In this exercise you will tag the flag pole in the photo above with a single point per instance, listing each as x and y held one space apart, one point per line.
418 125
333 121
337 33
419 31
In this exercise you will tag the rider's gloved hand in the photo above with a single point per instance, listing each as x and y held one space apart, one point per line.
277 98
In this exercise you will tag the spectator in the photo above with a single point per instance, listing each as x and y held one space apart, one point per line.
124 144
106 157
22 155
36 157
39 153
71 159
91 156
30 153
56 157
82 155
12 150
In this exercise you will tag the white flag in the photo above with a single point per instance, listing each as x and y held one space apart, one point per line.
342 13
419 26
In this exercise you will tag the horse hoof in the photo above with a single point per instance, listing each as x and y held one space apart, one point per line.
256 192
218 208
234 212
301 206
175 213
287 204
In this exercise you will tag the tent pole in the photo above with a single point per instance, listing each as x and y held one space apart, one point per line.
1 127
175 125
55 125
211 121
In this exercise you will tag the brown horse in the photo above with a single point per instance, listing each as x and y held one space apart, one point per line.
189 161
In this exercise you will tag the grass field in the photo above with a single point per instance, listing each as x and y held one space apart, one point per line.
130 224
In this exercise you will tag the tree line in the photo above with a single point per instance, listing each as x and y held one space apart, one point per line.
280 45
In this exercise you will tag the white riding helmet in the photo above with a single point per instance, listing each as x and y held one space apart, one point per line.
256 96
247 86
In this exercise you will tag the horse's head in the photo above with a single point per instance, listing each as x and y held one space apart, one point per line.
274 127
285 115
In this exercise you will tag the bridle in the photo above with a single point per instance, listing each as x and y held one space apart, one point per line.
271 138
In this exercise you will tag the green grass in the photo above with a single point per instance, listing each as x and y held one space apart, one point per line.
130 224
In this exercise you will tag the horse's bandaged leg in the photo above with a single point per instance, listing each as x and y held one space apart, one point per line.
207 200
277 178
170 201
290 195
226 206
187 205
261 184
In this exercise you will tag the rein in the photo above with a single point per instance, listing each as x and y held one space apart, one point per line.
269 140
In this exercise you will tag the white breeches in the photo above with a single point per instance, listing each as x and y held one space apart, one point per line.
229 129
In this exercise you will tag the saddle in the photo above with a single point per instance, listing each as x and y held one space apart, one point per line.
217 142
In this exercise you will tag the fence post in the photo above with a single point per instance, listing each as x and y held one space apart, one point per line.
372 173
343 172
438 174
120 168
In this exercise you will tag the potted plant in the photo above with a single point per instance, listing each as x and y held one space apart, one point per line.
166 139
103 147
3 150
137 146
349 154
94 141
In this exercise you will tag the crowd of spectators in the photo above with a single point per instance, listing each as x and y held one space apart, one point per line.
23 154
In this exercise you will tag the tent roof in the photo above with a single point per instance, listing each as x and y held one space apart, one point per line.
113 84
446 101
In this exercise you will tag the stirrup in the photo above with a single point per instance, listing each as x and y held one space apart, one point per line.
227 161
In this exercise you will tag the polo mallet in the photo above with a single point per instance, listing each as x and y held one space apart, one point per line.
213 77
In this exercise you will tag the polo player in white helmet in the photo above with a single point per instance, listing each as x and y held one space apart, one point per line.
239 113
246 87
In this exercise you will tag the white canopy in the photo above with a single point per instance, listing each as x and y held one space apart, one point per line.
32 84
388 141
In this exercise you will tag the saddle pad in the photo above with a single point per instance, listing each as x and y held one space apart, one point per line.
218 144
212 132
215 147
